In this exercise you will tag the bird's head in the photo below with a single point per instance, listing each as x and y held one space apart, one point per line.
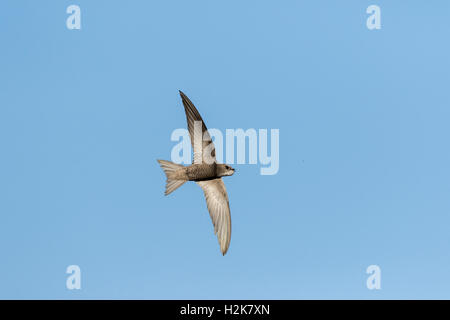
225 170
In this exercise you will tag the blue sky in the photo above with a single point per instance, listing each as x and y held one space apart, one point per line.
364 159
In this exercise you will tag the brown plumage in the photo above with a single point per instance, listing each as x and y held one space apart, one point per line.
205 171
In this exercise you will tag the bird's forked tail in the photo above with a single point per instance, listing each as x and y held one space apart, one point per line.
174 180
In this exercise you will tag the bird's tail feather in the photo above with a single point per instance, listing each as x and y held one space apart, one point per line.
169 169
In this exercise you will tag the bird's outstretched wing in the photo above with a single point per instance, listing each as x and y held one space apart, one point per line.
204 150
219 210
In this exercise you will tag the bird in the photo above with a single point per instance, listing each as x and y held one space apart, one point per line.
205 171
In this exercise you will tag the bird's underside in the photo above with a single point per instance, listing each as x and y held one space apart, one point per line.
205 172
